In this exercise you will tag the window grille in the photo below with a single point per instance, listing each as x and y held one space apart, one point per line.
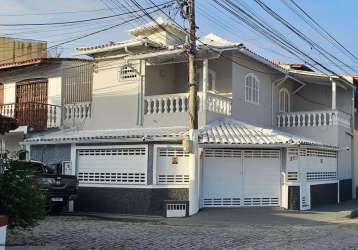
321 176
271 154
127 72
113 151
222 202
111 178
223 153
318 153
176 210
173 179
292 176
169 152
253 202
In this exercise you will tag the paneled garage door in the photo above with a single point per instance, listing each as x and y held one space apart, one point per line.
235 178
112 165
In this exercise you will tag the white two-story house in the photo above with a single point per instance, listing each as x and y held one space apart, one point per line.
270 134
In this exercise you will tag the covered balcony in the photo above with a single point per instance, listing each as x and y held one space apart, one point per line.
315 105
165 101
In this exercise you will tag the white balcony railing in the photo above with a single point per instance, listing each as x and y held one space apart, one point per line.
219 104
313 119
177 103
165 104
39 116
77 111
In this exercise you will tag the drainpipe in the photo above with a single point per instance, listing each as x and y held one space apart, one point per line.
353 151
274 83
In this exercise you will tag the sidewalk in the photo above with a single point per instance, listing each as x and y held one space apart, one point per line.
340 213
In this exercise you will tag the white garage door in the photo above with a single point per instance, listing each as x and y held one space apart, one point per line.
112 165
235 178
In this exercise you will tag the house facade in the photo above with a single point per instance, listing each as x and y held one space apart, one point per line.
43 95
269 134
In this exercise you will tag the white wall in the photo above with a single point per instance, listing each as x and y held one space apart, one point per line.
115 102
257 114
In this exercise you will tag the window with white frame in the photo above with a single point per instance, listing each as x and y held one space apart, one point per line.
252 86
127 72
284 100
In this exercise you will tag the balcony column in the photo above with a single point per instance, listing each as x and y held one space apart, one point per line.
205 83
334 94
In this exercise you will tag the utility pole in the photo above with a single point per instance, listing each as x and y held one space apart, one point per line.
193 86
191 146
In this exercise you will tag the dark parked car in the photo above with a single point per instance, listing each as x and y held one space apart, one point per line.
60 188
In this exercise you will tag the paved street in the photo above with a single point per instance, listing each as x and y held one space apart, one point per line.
211 229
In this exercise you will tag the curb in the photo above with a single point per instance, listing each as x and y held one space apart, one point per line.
120 217
354 214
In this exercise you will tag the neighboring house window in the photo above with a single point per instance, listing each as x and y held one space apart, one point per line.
252 89
77 82
127 72
284 100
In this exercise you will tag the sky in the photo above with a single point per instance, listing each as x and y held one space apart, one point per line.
337 16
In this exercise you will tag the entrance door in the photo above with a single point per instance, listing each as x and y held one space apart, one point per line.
31 103
235 178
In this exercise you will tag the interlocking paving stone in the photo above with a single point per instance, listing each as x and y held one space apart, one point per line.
86 233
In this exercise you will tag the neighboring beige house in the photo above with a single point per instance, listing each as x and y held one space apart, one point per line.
18 50
269 135
43 95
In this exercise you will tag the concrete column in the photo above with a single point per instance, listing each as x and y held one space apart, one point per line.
205 82
73 158
193 173
334 95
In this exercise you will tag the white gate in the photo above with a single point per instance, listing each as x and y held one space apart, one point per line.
112 165
235 178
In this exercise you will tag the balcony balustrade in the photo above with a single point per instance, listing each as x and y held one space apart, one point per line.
38 116
177 103
313 119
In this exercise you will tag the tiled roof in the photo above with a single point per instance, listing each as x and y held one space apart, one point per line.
221 132
133 134
37 61
149 27
232 132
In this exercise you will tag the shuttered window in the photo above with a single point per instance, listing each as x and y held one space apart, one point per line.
77 82
252 89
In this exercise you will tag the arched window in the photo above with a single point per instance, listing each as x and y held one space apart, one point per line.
284 100
252 86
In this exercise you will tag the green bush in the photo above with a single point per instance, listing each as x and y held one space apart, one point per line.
21 197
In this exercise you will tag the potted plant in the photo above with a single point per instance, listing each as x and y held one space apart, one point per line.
22 202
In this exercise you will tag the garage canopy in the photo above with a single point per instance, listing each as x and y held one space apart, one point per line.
231 132
226 131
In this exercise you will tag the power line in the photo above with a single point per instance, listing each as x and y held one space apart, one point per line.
301 35
272 34
324 30
84 36
79 21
